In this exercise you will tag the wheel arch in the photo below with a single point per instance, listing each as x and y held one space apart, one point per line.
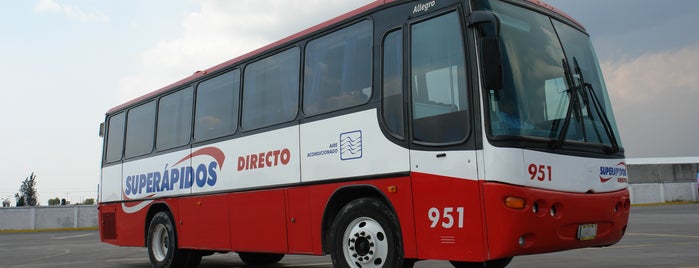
152 210
342 197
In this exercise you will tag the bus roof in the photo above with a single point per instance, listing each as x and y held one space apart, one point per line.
318 27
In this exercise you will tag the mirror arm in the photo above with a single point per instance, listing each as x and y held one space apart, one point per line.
478 17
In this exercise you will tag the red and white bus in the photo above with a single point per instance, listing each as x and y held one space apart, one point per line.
468 131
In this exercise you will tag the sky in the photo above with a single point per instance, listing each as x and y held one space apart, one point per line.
64 63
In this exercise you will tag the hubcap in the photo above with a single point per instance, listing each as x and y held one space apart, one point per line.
161 242
366 244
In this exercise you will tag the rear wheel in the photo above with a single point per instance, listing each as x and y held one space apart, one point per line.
260 258
365 234
499 263
162 245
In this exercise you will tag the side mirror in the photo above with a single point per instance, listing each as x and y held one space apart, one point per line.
490 55
491 63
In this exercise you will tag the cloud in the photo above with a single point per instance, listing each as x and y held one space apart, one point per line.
212 35
656 100
655 74
49 6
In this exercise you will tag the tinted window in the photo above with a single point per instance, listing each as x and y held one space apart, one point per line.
438 81
271 90
115 138
393 82
140 130
174 119
337 70
217 106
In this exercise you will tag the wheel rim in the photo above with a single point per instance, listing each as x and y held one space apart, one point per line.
366 244
161 242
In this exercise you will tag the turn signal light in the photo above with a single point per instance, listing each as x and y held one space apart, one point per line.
515 202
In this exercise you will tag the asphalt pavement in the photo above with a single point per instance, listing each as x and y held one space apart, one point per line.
657 236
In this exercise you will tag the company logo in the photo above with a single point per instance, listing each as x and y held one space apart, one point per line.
174 177
608 173
351 145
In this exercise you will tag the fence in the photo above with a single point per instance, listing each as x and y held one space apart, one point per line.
659 180
51 217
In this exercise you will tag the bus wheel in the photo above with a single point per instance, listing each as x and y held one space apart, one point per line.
499 263
260 258
162 245
365 234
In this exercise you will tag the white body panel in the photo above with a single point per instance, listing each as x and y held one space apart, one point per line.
348 146
554 172
110 187
265 159
455 164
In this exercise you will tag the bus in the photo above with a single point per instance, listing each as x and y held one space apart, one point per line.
469 131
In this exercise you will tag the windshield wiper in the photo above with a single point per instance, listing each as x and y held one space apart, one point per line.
573 106
585 92
587 89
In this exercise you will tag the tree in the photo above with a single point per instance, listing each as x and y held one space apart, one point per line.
20 200
89 201
27 192
54 202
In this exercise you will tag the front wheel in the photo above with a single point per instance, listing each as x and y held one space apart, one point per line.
162 245
365 234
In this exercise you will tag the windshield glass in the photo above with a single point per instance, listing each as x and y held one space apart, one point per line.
553 87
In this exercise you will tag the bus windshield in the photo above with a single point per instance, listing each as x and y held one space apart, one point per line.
553 87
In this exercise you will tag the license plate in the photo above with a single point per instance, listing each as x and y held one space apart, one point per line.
587 231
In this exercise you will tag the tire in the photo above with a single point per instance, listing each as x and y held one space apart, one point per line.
162 245
251 258
365 234
499 263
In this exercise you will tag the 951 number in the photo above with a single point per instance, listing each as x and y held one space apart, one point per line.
447 218
540 172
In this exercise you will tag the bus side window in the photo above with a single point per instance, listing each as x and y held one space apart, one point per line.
217 105
271 90
393 83
438 75
337 70
140 130
115 138
174 119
